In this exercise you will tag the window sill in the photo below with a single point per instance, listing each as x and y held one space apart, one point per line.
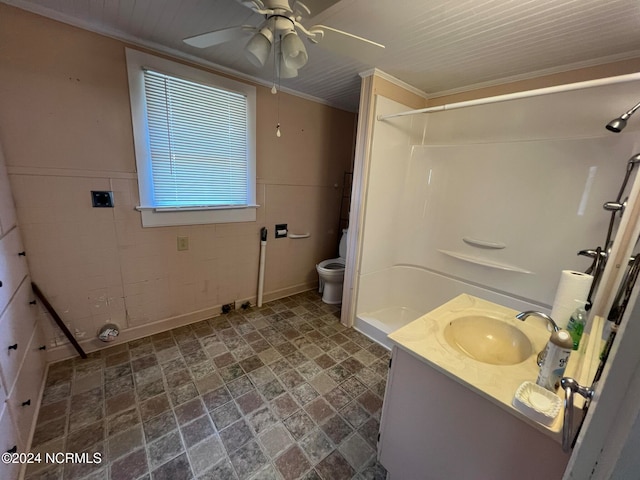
164 217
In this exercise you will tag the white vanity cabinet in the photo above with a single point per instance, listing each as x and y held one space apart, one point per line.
435 428
22 358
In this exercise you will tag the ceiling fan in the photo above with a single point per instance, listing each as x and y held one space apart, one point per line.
281 30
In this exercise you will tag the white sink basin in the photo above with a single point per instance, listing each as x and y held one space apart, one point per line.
488 340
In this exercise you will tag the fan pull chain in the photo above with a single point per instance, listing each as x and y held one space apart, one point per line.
277 54
278 134
274 90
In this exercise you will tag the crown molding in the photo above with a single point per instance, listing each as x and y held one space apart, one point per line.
134 41
390 78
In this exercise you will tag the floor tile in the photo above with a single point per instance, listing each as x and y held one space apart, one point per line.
154 406
248 459
175 469
240 386
275 440
292 464
262 419
299 424
318 409
334 466
354 414
120 402
206 453
223 470
216 398
164 449
47 431
88 382
122 421
236 435
271 389
336 429
369 431
159 426
278 392
130 467
316 446
249 401
284 406
85 437
356 451
196 431
125 442
225 415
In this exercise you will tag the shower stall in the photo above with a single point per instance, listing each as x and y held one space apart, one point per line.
492 200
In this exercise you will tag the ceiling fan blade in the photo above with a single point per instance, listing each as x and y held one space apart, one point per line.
219 36
348 44
252 4
317 6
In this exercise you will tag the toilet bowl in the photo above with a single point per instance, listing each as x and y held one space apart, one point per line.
331 273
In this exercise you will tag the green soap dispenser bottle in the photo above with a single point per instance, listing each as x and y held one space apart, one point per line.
576 324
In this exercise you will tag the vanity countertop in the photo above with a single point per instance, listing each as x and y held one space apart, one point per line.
424 338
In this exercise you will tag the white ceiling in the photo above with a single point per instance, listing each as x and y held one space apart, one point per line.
436 46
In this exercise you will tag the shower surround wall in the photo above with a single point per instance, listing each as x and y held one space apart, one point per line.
531 174
65 124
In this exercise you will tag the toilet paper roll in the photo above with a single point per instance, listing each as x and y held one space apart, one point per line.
573 286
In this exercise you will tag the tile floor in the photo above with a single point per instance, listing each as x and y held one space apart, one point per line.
280 392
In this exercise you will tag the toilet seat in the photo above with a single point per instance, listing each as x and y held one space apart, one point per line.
332 265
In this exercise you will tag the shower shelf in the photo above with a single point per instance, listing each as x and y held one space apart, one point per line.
484 262
474 242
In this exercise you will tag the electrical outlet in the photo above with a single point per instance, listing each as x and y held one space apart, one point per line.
183 243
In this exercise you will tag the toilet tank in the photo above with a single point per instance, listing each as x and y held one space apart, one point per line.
342 249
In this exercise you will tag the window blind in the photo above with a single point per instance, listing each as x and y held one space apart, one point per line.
198 142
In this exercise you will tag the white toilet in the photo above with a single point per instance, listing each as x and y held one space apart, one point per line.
331 273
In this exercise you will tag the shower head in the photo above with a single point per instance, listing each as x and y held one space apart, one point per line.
617 124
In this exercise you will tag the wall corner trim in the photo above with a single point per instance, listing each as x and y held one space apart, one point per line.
390 78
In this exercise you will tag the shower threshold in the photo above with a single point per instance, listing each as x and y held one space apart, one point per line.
379 323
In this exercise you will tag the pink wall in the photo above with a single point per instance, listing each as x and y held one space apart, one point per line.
66 129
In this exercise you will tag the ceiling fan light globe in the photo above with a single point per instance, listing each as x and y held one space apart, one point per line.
258 49
294 54
284 71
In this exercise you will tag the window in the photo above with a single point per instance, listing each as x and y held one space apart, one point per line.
194 135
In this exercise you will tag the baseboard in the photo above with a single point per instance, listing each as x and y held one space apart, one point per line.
65 351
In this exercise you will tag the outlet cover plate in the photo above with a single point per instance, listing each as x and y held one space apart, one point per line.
102 199
183 243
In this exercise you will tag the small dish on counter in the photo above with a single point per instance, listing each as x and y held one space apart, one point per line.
537 403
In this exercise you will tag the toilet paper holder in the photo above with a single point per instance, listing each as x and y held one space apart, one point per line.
281 230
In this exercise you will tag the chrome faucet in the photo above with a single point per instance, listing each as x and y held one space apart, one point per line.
531 313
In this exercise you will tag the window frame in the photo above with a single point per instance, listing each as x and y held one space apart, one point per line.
153 216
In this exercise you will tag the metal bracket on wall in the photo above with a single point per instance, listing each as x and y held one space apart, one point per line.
58 320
